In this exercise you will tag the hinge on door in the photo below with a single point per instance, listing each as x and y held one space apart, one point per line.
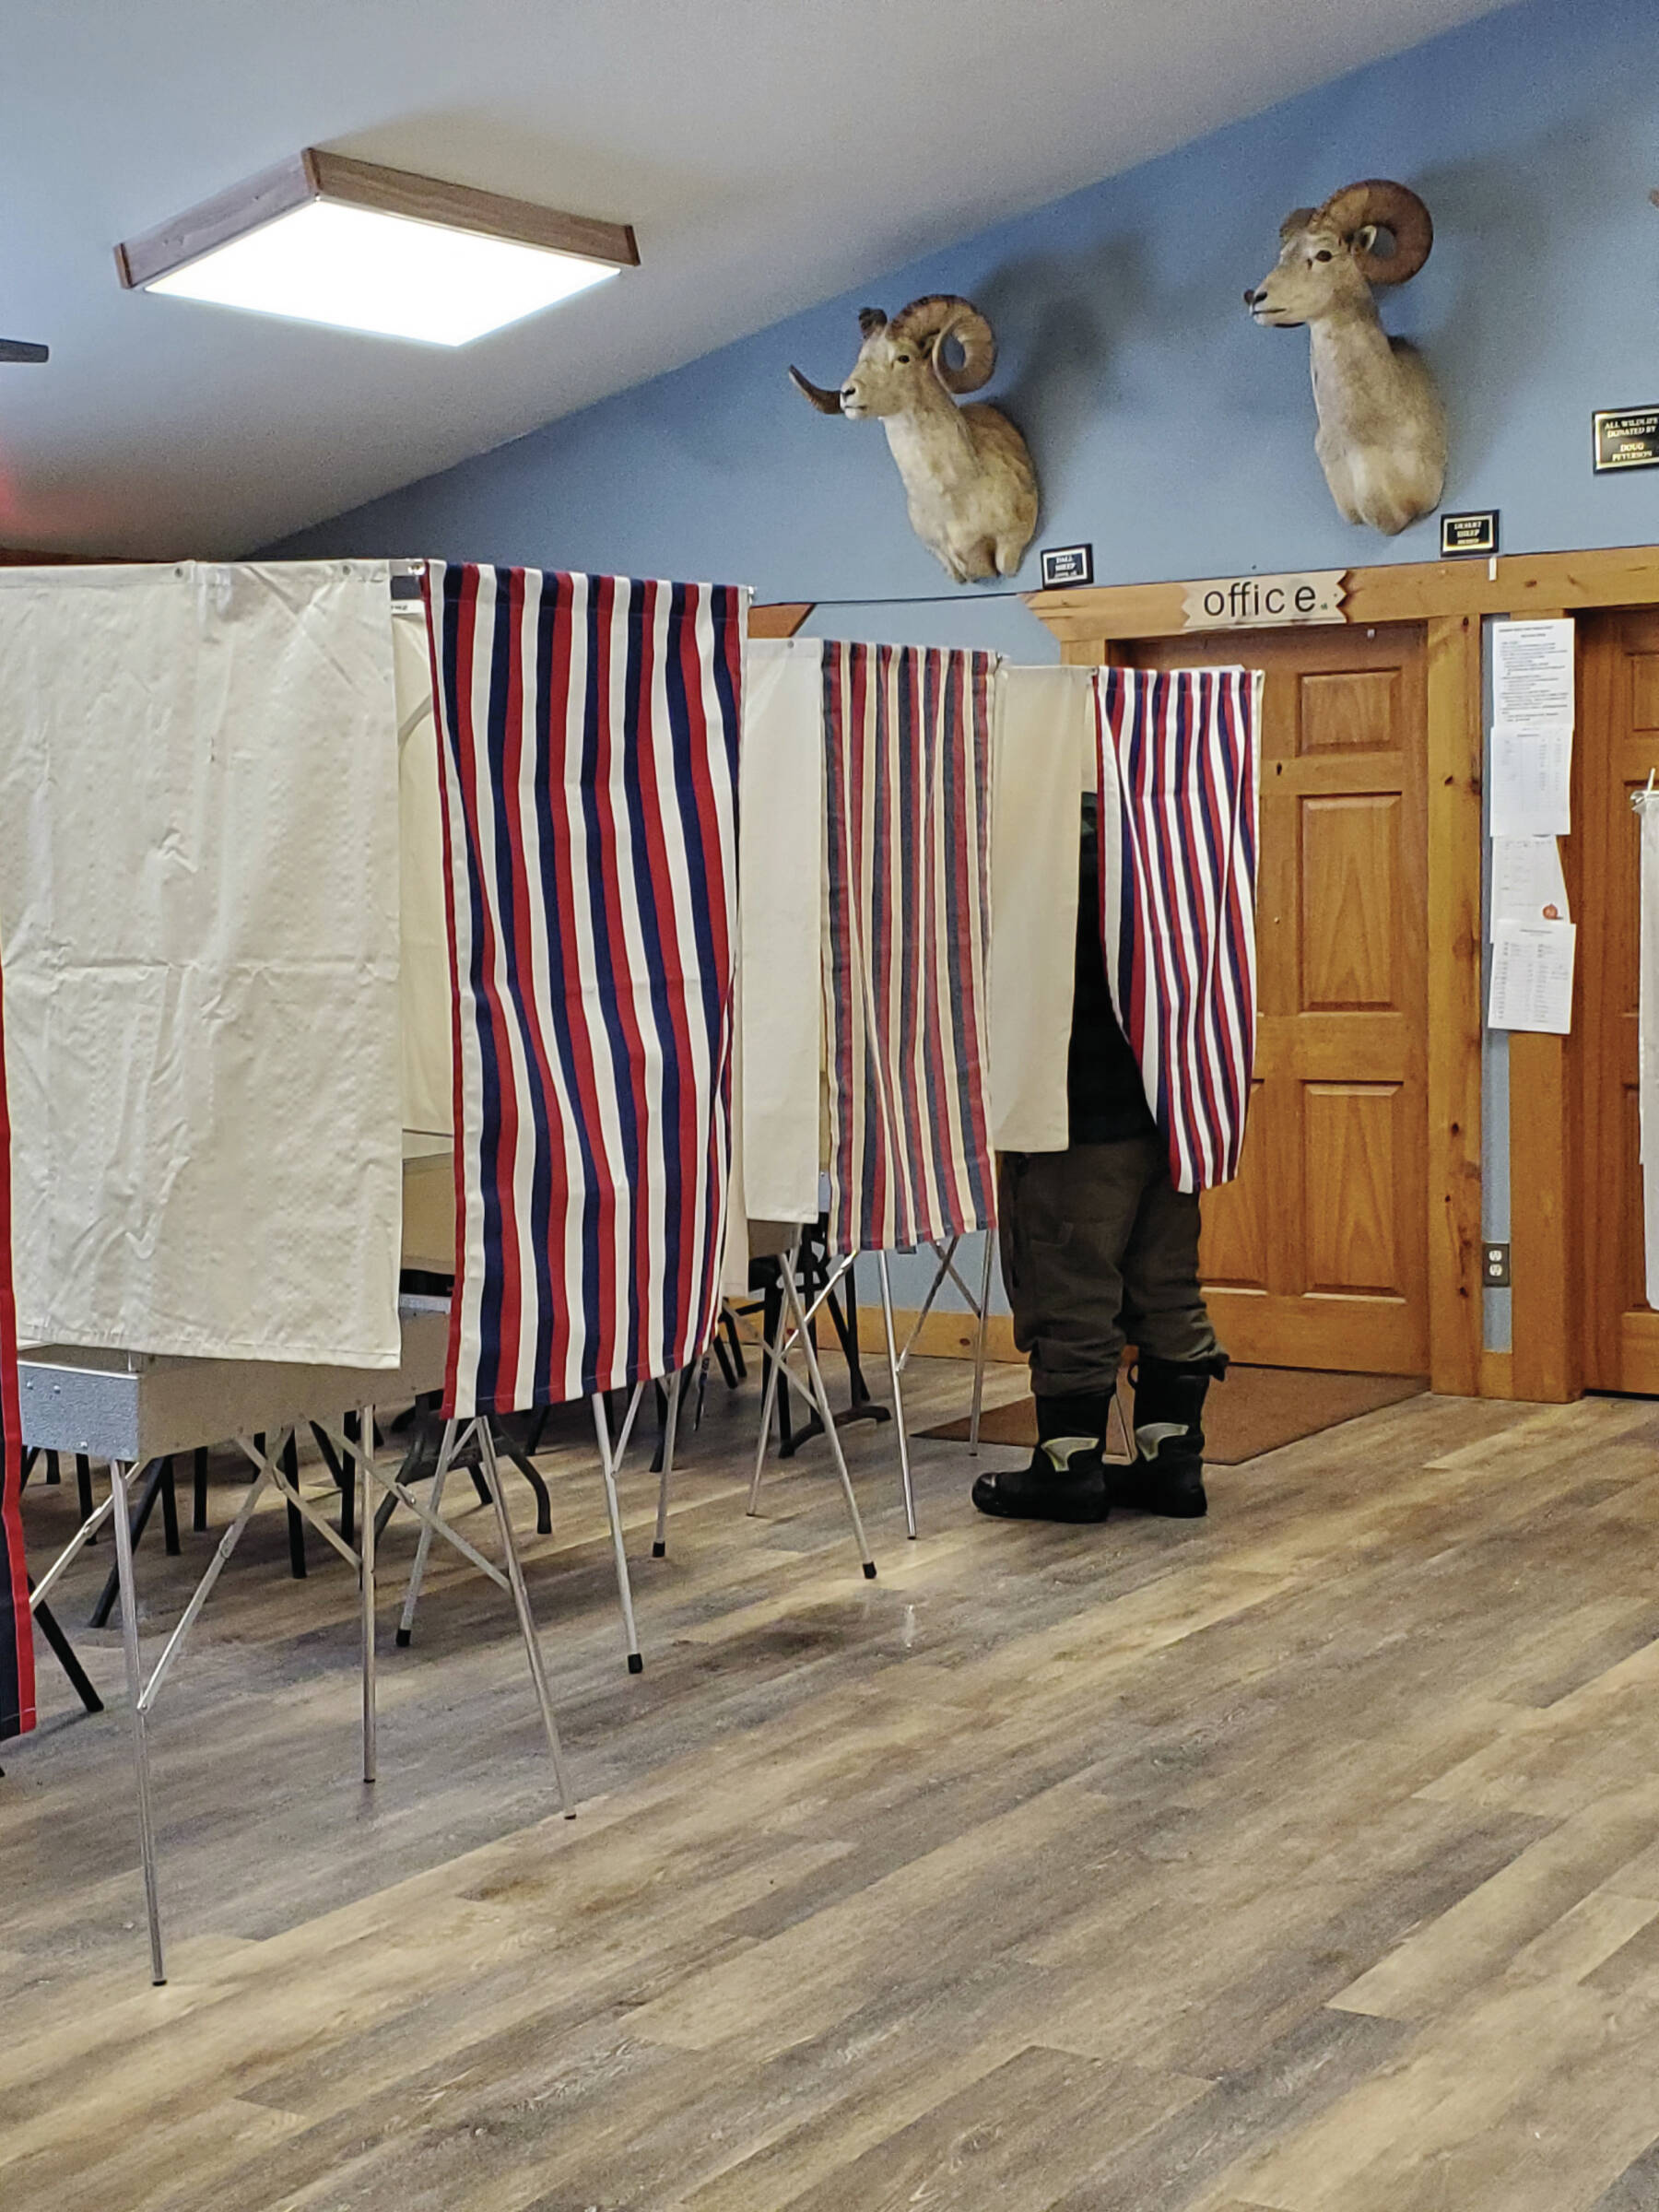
1495 1267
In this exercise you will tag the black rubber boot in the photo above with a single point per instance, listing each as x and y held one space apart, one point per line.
1066 1478
1166 1473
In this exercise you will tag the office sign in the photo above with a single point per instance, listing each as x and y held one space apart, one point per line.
1264 602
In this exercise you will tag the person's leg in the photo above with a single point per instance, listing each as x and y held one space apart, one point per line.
1177 1355
1066 1218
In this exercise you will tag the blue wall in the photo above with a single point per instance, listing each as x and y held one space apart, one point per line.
1167 429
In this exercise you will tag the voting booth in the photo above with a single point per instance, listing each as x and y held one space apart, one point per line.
371 926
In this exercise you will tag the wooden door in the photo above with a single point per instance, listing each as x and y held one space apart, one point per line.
1317 1256
1618 743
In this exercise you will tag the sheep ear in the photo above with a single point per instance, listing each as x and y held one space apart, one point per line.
1297 219
1364 239
870 320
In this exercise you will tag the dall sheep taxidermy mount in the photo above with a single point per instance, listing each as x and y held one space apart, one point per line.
1382 439
967 476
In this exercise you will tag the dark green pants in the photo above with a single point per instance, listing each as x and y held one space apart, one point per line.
1099 1249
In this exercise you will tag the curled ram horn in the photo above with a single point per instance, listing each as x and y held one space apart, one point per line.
826 403
1377 203
941 315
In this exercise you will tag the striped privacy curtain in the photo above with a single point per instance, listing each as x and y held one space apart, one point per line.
907 742
17 1630
1178 863
588 734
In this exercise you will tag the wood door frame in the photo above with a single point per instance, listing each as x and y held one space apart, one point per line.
1451 598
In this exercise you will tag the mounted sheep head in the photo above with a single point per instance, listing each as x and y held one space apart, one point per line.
1382 439
968 477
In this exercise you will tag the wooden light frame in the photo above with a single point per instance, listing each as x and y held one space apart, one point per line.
312 174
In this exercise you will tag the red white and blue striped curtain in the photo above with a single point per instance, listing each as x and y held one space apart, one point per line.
907 743
588 734
1178 868
16 1628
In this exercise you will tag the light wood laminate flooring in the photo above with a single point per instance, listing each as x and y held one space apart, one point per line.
1304 1859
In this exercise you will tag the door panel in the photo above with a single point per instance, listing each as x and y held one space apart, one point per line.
1352 1245
1357 711
1349 898
1317 1255
1618 744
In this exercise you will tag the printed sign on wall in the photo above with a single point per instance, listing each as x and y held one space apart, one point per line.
1627 438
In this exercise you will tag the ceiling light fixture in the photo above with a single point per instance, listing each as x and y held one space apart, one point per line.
324 239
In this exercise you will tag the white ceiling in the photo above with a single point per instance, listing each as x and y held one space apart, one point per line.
769 153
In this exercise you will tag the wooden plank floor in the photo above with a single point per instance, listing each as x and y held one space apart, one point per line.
1301 1860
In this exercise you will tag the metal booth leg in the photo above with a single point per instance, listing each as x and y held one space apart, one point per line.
423 1550
129 1640
772 1362
659 1550
365 1453
905 1483
608 1462
979 1346
794 1309
158 1485
526 1619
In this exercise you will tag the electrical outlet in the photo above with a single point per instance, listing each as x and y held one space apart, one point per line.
1494 1266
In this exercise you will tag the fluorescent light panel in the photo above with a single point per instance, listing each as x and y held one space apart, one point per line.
360 270
324 239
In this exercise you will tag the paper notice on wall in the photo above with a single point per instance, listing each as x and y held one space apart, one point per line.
1527 883
1532 977
1531 779
1532 675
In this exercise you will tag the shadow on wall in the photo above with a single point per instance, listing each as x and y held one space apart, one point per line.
1066 317
1493 220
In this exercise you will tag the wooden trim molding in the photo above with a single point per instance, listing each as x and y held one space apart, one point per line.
1453 756
1526 585
1546 1320
1546 1353
781 618
1450 598
1497 1375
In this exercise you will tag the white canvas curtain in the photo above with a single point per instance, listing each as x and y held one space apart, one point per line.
199 910
1044 747
428 1089
780 873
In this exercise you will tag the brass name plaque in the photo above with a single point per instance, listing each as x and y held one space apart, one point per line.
1264 602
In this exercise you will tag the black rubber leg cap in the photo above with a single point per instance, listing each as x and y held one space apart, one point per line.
404 1638
636 1665
659 1551
869 1571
